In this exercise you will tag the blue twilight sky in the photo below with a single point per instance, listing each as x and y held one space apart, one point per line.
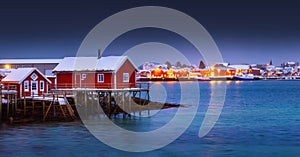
245 31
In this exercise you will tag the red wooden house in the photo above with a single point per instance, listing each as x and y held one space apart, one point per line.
28 81
91 72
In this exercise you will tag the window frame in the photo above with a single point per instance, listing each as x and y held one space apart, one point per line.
100 76
83 76
126 77
42 85
26 88
34 77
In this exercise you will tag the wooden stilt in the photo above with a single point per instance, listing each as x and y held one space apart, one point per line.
129 104
49 107
140 102
109 105
85 104
33 103
62 110
91 103
44 105
98 103
15 104
123 104
24 102
7 105
53 105
69 108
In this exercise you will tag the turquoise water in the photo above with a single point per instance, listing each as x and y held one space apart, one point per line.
259 118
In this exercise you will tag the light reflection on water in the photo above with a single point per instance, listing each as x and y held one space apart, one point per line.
259 119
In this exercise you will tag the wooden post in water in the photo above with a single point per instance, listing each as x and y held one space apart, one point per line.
109 105
24 102
51 103
92 102
140 103
98 103
76 98
85 104
44 107
54 111
32 103
15 103
148 89
123 104
43 101
7 105
128 104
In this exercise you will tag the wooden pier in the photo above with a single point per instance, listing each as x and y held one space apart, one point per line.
110 102
8 101
68 104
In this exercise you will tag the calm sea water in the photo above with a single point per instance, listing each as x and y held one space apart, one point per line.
259 118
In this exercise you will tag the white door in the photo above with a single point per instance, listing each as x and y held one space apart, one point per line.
34 87
77 81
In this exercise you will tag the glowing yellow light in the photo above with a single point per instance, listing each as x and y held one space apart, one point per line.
157 70
7 66
170 71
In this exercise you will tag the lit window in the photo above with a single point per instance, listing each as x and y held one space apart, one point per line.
41 85
26 86
100 78
125 77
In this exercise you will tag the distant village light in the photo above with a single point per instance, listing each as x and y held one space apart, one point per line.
7 66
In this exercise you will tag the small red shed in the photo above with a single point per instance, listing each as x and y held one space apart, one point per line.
92 72
29 81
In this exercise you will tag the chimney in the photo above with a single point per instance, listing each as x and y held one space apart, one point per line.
99 53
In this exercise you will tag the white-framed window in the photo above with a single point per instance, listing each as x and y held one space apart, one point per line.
83 76
26 86
125 77
34 76
100 77
34 86
42 85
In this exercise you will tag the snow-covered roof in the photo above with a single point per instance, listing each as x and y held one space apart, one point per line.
231 68
241 67
29 61
20 74
78 63
3 72
256 69
224 64
291 63
110 63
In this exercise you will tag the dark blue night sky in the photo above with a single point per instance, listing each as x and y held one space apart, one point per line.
245 31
